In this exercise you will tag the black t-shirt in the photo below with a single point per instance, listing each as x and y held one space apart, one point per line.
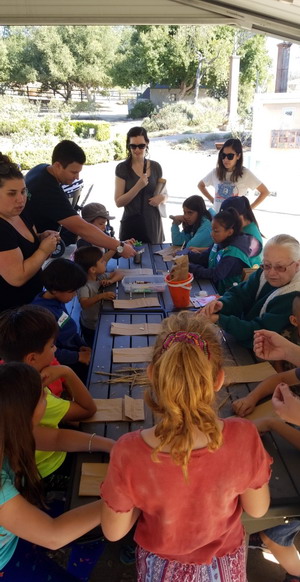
47 203
10 239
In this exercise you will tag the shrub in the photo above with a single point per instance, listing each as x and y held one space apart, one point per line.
141 109
207 115
119 147
101 152
101 129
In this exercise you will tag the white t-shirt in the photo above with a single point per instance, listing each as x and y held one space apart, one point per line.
226 189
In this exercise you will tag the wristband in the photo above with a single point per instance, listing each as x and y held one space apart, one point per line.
90 442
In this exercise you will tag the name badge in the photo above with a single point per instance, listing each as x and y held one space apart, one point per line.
63 319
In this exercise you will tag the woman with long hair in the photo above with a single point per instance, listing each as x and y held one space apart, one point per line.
136 180
230 177
196 224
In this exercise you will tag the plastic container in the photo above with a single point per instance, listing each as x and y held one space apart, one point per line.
144 284
180 291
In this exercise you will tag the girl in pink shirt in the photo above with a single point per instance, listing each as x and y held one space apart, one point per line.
186 480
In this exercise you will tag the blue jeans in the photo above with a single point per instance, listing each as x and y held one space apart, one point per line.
284 534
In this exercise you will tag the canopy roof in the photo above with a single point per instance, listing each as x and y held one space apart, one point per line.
280 18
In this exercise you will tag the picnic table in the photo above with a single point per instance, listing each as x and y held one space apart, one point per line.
285 480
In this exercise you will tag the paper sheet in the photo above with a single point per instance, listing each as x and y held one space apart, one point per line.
118 409
262 410
92 475
168 253
136 303
129 355
135 328
252 373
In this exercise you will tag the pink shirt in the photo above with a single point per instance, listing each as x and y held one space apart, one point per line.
188 521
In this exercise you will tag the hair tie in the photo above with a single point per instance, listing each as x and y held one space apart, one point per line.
186 337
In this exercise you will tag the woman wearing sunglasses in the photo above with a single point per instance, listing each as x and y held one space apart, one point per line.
136 180
22 250
230 177
265 300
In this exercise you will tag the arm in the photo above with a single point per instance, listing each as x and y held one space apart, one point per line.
256 501
93 235
244 406
16 271
122 198
263 193
26 521
286 404
292 435
269 345
115 525
86 302
178 237
204 191
82 405
70 441
226 266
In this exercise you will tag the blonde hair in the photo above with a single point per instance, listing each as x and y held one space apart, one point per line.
287 241
182 388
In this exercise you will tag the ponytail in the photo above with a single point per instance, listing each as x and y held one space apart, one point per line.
183 376
229 218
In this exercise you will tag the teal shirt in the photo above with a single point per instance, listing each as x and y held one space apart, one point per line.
201 238
8 540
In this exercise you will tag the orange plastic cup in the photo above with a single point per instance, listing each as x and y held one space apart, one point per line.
180 290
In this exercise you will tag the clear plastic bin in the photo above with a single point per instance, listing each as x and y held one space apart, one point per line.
144 283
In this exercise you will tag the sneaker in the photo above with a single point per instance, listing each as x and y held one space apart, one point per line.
127 554
256 543
291 578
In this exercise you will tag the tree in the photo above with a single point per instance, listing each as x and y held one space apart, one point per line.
170 55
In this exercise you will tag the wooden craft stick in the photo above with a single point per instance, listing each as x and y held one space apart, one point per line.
135 328
136 303
129 355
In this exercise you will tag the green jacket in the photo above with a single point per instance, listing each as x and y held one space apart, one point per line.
217 254
240 314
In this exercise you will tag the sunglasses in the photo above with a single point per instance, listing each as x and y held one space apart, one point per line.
229 156
141 146
277 268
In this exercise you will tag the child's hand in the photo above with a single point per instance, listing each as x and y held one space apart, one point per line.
85 349
243 406
84 356
51 373
108 295
105 283
286 404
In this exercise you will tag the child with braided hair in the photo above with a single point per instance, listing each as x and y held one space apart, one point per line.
179 479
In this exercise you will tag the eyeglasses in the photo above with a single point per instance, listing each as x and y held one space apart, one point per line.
278 268
141 146
229 156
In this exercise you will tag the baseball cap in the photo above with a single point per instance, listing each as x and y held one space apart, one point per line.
94 210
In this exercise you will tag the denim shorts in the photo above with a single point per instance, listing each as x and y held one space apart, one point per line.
284 534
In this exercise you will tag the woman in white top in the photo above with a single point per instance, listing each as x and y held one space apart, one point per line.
230 177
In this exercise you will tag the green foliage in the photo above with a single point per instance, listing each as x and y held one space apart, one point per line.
101 129
141 109
120 147
206 115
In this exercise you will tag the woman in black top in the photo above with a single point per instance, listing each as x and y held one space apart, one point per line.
22 250
136 180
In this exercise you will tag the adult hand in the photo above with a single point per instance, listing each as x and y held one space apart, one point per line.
48 244
269 345
130 241
128 251
156 200
143 181
46 233
211 308
286 404
178 219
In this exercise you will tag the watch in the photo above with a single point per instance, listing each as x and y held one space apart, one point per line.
120 248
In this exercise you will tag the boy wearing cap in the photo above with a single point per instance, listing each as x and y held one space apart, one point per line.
95 214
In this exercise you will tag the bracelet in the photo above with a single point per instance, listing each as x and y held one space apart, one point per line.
90 442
